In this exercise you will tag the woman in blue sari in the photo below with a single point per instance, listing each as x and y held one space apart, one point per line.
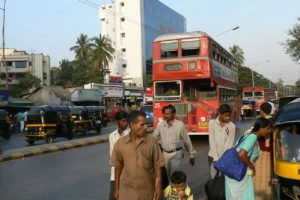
248 152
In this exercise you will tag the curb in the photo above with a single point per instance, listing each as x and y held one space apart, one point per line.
51 148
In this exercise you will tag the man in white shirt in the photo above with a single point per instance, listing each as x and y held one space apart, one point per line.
221 136
121 131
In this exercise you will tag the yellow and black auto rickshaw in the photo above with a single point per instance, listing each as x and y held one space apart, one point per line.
80 119
286 156
48 122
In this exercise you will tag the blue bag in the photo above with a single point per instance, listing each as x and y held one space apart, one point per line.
230 164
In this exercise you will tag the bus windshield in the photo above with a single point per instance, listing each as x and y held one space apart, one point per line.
167 90
247 94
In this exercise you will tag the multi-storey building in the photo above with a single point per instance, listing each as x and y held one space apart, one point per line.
132 26
18 63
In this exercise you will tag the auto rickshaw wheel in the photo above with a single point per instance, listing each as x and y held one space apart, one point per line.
30 142
7 135
49 139
70 135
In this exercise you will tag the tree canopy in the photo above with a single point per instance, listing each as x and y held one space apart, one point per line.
26 83
292 45
92 57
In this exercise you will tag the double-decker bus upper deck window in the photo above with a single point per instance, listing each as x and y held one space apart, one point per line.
169 90
169 49
190 47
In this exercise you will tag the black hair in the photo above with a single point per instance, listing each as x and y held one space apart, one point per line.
134 115
261 123
266 107
225 108
178 177
171 107
121 115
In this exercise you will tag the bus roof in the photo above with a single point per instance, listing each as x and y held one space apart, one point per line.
174 36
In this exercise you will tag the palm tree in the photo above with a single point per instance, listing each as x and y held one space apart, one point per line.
82 49
102 52
102 55
238 53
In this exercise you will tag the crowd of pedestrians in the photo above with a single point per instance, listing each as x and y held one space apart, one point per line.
139 161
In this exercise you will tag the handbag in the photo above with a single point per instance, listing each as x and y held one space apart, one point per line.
215 188
230 164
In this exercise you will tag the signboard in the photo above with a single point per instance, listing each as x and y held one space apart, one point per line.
111 91
223 72
116 79
3 97
86 95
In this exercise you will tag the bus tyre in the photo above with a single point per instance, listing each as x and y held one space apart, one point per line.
30 142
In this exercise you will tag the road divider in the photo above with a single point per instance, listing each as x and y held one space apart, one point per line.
50 148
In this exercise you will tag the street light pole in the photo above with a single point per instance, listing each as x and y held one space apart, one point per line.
3 45
259 63
232 29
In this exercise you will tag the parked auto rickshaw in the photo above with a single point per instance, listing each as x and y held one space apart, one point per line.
4 125
48 122
286 147
80 119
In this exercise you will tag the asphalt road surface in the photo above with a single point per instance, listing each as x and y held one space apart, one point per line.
84 173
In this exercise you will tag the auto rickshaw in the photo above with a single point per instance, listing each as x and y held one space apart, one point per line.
5 131
48 122
81 120
248 108
286 148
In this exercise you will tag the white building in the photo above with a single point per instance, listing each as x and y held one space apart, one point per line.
132 26
20 62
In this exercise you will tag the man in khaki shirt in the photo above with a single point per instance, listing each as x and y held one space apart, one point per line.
138 160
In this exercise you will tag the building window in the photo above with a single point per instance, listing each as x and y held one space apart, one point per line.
123 19
124 50
21 64
44 75
122 35
103 19
124 65
29 63
122 4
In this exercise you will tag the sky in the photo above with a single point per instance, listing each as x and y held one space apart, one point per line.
51 27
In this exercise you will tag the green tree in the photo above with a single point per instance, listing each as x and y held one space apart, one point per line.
292 45
26 83
82 48
238 53
101 56
66 71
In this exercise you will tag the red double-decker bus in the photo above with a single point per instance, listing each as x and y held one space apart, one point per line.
259 95
195 74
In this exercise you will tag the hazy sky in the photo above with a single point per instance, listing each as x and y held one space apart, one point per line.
52 26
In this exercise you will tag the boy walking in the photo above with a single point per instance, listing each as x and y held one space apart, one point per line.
221 136
121 131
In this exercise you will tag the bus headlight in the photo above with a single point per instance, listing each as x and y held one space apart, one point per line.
202 119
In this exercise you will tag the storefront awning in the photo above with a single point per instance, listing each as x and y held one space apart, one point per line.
19 102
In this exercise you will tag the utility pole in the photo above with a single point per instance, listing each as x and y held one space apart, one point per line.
3 45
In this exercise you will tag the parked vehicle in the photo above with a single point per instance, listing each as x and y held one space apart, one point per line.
4 125
148 109
48 122
81 121
286 148
100 112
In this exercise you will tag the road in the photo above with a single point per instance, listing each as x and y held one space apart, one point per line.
17 140
83 173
